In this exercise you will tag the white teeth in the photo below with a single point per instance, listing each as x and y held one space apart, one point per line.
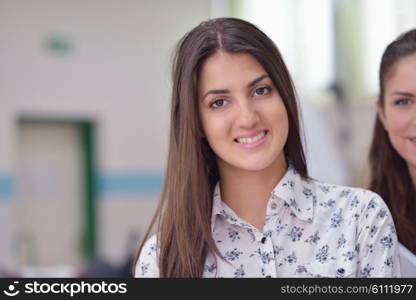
251 140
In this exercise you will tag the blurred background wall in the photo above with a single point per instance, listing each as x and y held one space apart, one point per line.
77 75
84 110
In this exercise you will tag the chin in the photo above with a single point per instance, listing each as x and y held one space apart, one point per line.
254 165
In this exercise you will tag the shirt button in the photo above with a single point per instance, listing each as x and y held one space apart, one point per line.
263 240
341 271
268 276
274 205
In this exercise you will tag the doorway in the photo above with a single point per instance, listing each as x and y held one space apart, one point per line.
55 203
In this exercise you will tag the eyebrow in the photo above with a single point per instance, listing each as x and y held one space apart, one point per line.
402 94
252 83
258 79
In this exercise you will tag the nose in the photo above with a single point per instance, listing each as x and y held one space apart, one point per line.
248 115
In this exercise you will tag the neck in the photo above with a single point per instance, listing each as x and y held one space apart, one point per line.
247 192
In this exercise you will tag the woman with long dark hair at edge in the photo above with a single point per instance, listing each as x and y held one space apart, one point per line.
237 200
393 149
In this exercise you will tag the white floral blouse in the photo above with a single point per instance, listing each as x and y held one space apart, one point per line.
311 229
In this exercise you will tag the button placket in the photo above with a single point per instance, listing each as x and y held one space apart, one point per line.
267 248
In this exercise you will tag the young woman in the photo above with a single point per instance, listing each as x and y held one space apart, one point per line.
237 200
393 149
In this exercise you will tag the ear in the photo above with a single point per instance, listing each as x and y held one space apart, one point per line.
380 113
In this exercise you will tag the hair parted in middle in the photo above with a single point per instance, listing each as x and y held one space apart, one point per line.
183 216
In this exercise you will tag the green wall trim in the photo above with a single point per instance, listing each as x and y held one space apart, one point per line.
90 242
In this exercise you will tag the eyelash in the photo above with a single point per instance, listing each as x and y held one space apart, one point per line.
267 89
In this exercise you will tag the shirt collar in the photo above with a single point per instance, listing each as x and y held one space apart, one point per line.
297 193
218 206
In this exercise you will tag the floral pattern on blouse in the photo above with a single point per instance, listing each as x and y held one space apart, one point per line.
311 229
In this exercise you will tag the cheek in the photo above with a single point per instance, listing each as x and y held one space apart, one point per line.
280 118
214 128
396 122
206 122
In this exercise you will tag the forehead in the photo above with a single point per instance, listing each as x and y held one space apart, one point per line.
224 70
403 75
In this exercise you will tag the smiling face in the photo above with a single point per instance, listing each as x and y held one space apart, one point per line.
398 114
243 116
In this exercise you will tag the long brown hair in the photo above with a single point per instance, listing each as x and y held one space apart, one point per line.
390 176
183 216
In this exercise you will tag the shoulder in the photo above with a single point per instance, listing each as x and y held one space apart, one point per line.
365 207
347 196
350 202
147 264
365 221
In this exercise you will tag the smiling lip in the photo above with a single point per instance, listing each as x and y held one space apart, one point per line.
255 143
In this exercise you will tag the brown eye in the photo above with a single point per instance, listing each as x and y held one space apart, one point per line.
261 91
217 103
